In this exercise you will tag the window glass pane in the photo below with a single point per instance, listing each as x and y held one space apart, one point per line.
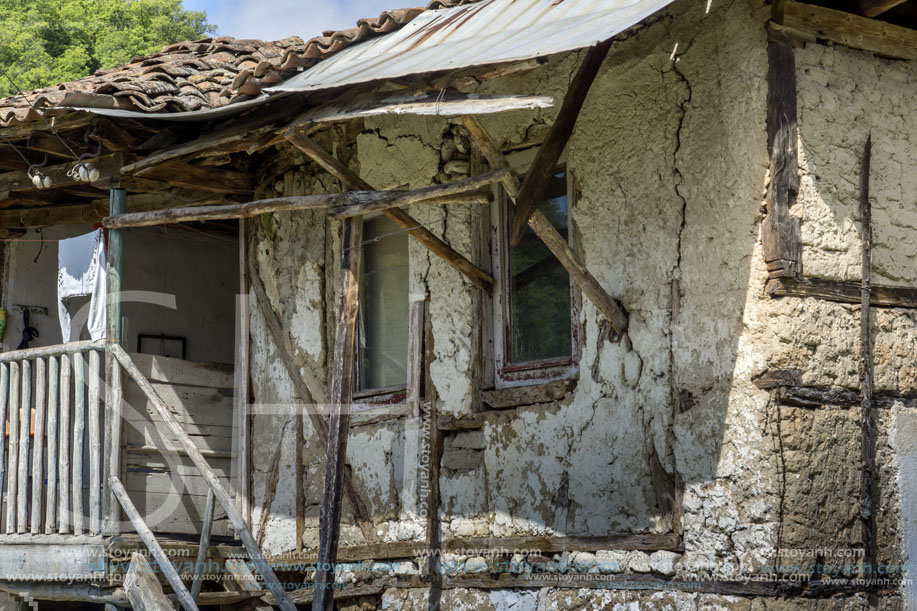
540 288
383 332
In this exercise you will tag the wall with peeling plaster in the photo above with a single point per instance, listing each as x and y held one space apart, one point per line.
670 161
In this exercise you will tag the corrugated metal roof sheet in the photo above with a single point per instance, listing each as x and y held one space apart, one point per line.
488 32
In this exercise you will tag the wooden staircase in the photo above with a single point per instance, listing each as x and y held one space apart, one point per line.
142 587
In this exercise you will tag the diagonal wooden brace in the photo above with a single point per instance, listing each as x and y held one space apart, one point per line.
610 307
401 218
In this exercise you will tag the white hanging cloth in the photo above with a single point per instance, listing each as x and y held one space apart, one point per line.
81 272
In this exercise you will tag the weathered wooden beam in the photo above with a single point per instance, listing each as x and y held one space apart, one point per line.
143 588
45 142
873 8
435 194
207 473
235 137
543 167
810 23
339 421
607 305
200 562
18 131
401 218
308 397
841 291
214 180
109 166
242 381
114 394
111 136
867 411
780 232
279 204
79 429
63 448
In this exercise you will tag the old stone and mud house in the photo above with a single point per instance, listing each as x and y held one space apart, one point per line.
497 304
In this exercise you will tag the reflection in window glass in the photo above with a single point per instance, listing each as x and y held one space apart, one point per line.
540 287
383 318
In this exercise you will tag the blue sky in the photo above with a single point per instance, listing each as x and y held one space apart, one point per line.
275 19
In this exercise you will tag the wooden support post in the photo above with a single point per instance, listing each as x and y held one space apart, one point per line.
415 356
25 426
339 423
4 412
63 449
241 383
194 454
13 460
780 232
95 446
607 305
536 179
38 446
401 218
867 415
79 430
201 563
149 539
113 390
53 415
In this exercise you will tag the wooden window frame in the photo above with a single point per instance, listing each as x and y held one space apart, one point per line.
369 398
507 374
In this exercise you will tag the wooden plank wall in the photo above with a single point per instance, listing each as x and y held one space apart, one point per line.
200 397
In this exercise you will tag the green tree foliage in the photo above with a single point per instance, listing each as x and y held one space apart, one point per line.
44 42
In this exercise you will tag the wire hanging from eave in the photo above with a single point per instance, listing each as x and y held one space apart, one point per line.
40 116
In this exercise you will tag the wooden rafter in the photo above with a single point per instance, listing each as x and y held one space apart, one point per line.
874 8
536 179
401 218
339 422
542 227
215 180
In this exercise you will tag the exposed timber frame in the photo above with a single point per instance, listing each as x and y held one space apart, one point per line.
339 422
347 204
309 397
607 305
401 218
780 231
867 413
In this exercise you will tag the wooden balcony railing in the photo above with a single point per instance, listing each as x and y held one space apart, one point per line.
50 456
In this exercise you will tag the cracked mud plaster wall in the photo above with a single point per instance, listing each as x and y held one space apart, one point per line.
670 163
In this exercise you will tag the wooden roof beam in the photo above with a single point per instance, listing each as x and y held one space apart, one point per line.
215 180
874 8
610 307
401 218
811 23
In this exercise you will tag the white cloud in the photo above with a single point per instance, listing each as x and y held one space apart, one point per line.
275 19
